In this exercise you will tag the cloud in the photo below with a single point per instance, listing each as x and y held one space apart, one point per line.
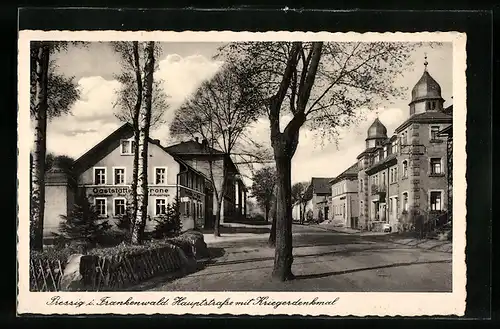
183 75
92 117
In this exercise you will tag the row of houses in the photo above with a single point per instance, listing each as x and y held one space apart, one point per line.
180 171
395 175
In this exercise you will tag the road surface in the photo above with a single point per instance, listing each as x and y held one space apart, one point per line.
323 261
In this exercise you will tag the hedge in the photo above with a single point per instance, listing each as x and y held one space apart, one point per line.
115 267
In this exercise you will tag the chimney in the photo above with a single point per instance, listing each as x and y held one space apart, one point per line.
156 141
204 142
196 139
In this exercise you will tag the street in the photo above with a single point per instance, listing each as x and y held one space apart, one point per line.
323 261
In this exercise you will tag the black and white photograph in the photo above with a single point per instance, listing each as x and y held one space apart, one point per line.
241 173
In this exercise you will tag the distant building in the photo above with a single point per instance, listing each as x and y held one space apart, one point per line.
344 203
104 176
318 195
201 157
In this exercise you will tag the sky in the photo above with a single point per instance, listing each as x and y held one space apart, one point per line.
183 67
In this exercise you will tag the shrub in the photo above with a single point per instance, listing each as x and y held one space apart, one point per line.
82 224
320 215
124 222
169 224
309 215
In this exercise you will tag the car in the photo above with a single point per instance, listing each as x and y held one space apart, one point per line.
386 228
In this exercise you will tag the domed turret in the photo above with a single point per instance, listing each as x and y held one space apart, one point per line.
426 94
426 88
376 134
377 130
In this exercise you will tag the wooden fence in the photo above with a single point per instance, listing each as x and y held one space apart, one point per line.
105 273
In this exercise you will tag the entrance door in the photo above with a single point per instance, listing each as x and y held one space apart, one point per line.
326 213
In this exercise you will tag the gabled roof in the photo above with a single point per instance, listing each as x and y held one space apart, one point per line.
387 162
448 131
426 117
109 143
351 172
192 148
368 151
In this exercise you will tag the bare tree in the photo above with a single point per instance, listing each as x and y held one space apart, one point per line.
130 98
298 198
221 111
319 85
262 188
144 122
51 95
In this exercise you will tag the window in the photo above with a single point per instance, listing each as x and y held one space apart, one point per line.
188 208
405 201
101 207
127 146
100 176
435 200
361 185
160 175
119 206
385 151
405 169
118 176
383 178
436 166
434 132
160 206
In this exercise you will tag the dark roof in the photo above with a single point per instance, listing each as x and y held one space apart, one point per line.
321 184
192 148
318 185
426 117
351 172
446 131
368 151
388 161
103 148
449 110
426 88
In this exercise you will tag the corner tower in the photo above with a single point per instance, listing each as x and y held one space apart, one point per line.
426 94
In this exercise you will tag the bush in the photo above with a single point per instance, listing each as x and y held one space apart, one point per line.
309 215
169 224
192 243
124 223
82 224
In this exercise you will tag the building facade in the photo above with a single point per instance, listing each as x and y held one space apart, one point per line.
317 197
344 202
104 174
406 173
211 161
403 174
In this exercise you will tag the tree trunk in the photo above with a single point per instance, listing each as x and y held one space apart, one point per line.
144 125
272 236
39 112
135 124
217 216
267 212
283 257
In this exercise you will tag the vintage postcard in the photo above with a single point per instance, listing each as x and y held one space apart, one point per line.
242 173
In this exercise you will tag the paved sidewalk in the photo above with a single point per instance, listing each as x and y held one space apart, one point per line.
428 244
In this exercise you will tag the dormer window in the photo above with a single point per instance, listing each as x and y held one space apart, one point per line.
385 151
127 146
434 132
